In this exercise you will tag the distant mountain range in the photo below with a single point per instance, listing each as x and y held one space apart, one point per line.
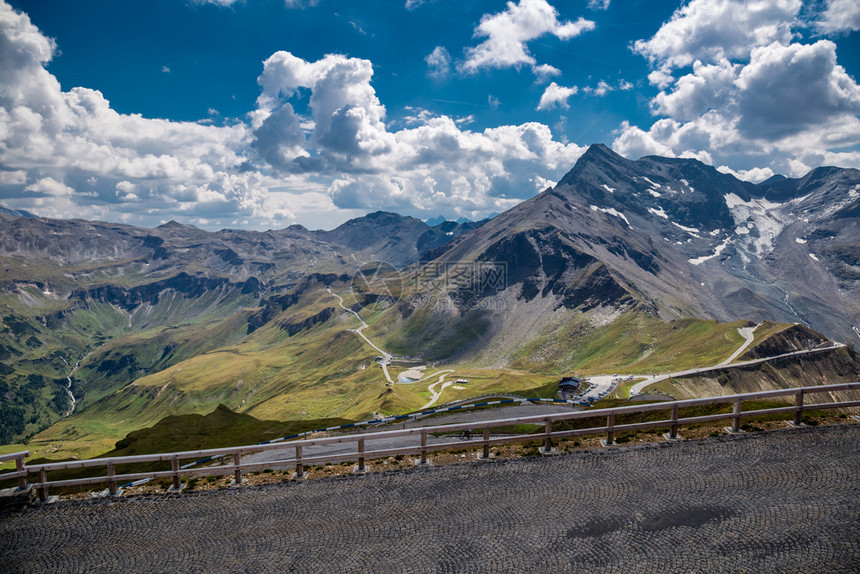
617 244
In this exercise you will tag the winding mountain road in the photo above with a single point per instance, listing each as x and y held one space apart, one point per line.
600 384
637 388
434 395
386 357
746 333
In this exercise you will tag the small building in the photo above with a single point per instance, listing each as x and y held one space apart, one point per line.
569 384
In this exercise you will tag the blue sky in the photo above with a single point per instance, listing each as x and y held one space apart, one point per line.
262 113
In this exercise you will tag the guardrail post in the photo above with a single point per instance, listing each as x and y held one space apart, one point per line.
610 435
673 428
237 468
300 468
423 459
485 453
736 417
798 404
174 466
111 473
43 490
547 441
19 467
360 468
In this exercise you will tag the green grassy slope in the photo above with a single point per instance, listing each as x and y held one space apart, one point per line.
303 363
44 335
634 343
220 428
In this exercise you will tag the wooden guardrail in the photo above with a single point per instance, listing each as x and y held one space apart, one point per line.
423 447
20 469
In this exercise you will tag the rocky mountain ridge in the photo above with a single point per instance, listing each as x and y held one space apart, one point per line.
679 238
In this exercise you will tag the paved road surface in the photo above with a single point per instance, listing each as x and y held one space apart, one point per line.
749 338
785 501
386 357
524 410
637 388
434 394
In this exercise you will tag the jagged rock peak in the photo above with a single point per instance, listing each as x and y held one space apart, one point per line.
598 159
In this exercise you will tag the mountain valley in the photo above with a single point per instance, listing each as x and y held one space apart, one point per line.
624 266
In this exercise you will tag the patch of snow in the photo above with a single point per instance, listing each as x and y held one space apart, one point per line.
742 230
612 211
654 193
813 256
799 240
733 200
690 230
798 200
609 189
854 191
719 249
658 212
654 185
450 233
767 217
715 232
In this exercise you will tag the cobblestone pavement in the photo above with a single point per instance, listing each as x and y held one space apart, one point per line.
782 501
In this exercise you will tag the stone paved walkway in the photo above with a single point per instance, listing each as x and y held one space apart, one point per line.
783 501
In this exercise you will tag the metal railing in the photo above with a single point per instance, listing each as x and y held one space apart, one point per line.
423 446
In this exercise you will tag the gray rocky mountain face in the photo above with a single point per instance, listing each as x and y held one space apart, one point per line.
683 239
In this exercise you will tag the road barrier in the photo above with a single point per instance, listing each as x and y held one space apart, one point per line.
423 447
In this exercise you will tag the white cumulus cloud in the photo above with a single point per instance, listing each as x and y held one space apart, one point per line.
754 175
712 30
508 32
438 62
788 89
431 166
747 96
75 145
840 16
317 139
544 72
555 95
